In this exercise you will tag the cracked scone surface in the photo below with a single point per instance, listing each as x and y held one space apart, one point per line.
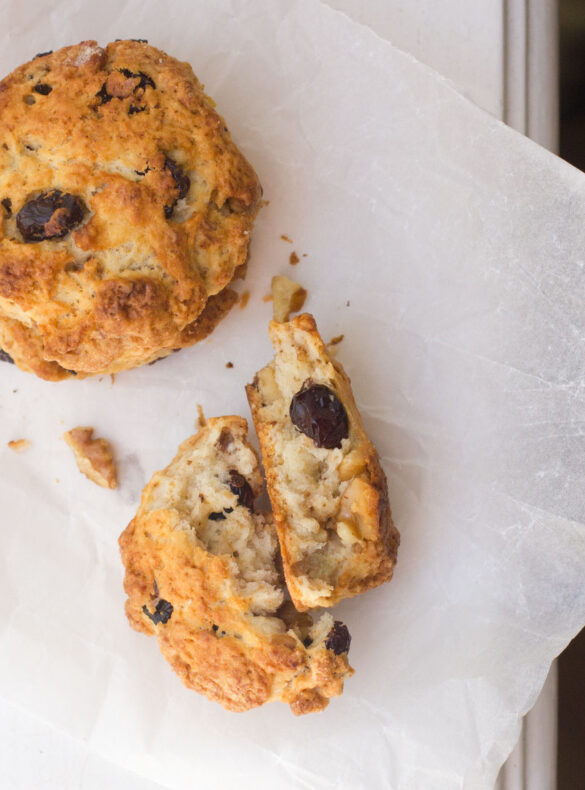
124 206
330 503
202 576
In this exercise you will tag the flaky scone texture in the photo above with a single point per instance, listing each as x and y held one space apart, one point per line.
124 207
330 506
202 576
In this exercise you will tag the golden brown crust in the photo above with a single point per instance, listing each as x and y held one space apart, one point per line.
361 542
223 637
169 202
93 456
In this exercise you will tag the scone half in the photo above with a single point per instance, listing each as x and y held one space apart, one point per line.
202 576
328 491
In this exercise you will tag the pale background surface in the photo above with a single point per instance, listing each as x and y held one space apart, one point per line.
468 43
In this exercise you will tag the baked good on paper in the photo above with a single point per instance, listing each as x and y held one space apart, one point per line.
125 210
328 491
202 576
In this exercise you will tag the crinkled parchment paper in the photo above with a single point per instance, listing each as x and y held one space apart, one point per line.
450 252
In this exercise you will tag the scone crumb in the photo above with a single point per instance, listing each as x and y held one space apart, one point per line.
335 340
289 297
293 258
113 379
93 456
267 298
229 364
200 422
244 299
19 445
284 237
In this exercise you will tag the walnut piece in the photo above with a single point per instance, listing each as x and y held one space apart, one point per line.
94 456
289 297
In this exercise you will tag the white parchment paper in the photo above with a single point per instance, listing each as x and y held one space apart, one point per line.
450 251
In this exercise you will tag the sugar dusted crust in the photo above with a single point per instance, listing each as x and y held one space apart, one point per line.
330 506
194 550
169 202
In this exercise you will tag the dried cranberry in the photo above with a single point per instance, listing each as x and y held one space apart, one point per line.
43 54
338 638
182 182
162 612
42 88
103 95
4 357
134 110
318 413
51 215
241 488
307 641
145 80
216 516
7 206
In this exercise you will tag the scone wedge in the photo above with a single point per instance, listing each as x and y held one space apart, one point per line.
328 491
202 576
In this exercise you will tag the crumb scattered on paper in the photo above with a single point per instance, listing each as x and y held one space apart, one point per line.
244 299
289 297
286 238
113 378
19 445
347 303
94 456
201 421
229 364
267 298
335 340
293 258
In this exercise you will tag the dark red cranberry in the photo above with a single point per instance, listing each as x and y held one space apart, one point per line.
7 206
42 88
338 638
145 80
4 357
182 182
162 612
103 95
43 54
318 413
216 516
241 488
51 215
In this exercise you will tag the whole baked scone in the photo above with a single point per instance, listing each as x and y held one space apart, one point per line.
124 207
202 575
328 491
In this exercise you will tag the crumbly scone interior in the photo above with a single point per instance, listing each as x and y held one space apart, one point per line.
218 523
223 527
315 484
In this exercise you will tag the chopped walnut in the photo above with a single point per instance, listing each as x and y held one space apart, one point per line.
19 445
289 297
94 456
